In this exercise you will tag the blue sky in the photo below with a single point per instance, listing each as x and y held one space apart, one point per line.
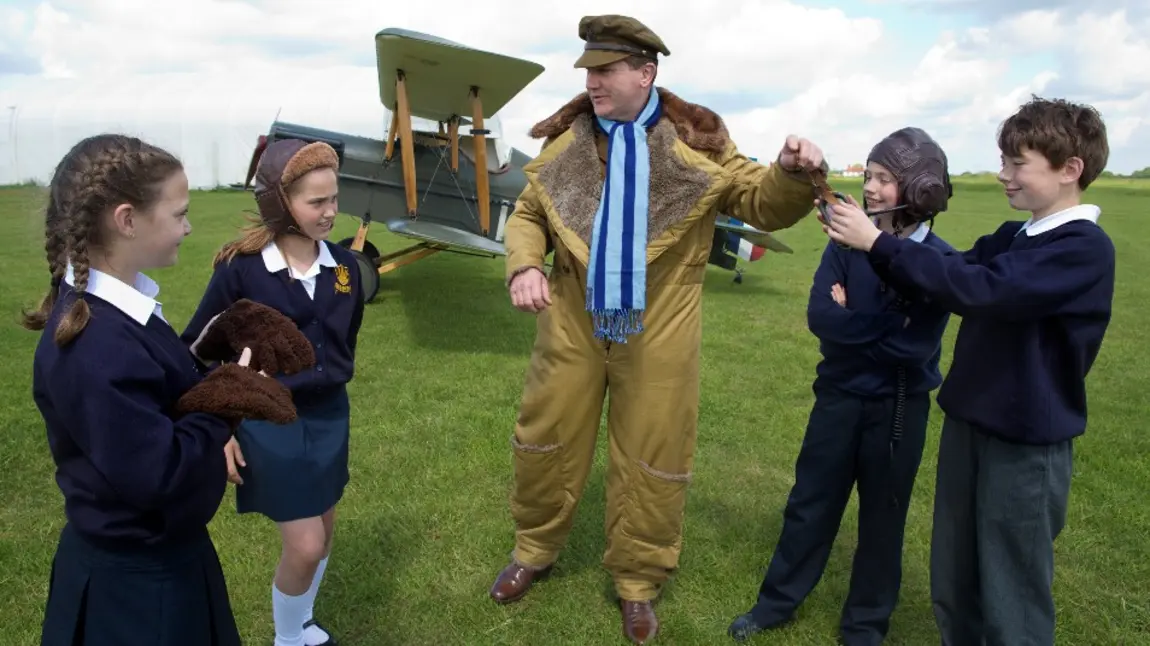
843 74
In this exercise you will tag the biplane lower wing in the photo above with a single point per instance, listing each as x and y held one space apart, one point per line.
735 240
754 236
449 238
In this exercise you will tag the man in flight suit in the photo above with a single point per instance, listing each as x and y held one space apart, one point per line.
625 191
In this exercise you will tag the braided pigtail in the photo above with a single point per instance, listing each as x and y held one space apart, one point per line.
76 319
94 177
56 249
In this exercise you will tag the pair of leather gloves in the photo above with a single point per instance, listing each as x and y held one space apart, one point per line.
236 392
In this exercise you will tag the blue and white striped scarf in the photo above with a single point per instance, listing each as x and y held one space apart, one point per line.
617 277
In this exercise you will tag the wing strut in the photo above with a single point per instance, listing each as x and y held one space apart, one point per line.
481 181
406 141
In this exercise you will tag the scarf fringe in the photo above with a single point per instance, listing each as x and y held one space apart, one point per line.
617 324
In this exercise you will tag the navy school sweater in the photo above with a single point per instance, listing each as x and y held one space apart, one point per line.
1035 305
130 469
864 344
331 320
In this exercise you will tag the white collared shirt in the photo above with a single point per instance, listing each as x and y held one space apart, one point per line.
274 261
1057 219
138 301
919 233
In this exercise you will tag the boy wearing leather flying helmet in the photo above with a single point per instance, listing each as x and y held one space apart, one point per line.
880 360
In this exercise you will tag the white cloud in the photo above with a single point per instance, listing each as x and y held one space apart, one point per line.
235 63
1100 53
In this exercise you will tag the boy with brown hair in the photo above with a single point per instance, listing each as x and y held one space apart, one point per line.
1035 300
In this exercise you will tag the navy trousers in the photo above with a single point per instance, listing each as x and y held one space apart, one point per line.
998 508
848 441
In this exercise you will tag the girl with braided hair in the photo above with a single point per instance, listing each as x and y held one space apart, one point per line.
136 430
867 428
294 474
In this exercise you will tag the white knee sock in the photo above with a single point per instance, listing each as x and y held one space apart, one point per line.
288 615
314 635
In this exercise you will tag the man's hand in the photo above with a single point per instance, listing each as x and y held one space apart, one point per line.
529 291
839 294
851 226
800 154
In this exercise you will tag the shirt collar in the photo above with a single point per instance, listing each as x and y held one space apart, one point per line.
138 301
274 260
1055 220
920 233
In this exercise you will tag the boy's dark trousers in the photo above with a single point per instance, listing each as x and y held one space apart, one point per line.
848 440
998 507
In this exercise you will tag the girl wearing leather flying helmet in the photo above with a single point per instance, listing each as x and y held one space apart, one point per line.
906 181
294 474
872 399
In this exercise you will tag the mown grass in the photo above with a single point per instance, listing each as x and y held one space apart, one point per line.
424 526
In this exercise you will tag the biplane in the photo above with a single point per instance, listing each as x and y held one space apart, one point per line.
448 186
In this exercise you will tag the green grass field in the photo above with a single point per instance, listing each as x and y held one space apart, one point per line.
424 526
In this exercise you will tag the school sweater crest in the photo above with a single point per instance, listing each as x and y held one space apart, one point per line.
325 303
865 343
1035 301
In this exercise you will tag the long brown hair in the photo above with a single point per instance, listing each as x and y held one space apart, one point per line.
97 174
252 240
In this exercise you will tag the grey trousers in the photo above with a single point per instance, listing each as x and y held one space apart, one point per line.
998 507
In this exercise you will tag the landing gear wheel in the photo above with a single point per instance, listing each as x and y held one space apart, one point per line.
368 248
369 274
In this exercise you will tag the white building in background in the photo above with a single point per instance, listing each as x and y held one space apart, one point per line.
210 121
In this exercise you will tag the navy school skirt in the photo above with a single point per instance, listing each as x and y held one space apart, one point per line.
296 470
163 595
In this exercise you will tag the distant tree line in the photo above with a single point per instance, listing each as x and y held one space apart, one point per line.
1138 174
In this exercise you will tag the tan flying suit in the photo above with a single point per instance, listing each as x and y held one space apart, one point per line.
696 172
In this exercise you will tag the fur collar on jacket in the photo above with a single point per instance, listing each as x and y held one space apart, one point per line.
697 126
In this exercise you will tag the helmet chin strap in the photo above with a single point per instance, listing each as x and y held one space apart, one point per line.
890 210
896 225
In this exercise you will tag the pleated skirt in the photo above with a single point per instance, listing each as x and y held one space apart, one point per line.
166 595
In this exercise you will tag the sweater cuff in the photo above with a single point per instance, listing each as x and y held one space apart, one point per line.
884 248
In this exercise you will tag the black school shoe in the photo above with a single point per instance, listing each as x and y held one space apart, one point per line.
330 639
744 626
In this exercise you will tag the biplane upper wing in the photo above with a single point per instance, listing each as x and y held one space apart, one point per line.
439 74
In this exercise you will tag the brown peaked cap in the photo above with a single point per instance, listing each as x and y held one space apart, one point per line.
613 37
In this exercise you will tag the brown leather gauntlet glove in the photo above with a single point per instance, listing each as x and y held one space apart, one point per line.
235 393
278 346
